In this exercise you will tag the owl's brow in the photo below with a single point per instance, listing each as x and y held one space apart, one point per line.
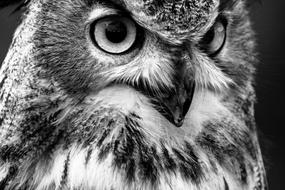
116 4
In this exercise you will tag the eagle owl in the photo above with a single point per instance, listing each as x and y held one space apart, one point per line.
130 95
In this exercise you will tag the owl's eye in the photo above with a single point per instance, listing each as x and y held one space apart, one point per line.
114 34
215 38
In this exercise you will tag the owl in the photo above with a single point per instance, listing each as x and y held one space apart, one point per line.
130 95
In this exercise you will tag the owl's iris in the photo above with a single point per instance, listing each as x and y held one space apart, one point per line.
114 34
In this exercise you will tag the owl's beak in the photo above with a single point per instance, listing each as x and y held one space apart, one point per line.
175 107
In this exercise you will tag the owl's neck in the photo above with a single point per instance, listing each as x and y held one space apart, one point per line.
122 142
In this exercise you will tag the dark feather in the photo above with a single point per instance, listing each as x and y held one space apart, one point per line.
21 4
229 4
6 3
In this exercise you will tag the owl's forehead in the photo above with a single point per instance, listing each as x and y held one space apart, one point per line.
174 17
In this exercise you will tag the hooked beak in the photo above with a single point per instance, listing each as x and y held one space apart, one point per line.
175 106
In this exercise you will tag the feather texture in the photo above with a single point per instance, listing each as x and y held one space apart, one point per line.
162 115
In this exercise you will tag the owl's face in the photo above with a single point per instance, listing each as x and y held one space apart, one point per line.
130 95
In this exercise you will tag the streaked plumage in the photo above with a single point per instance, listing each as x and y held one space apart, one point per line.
174 111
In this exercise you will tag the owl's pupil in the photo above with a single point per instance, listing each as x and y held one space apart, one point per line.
116 32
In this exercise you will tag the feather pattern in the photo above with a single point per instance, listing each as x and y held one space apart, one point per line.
75 117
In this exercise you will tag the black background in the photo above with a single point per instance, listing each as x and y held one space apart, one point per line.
269 23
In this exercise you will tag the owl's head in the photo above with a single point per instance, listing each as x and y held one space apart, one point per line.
150 93
165 50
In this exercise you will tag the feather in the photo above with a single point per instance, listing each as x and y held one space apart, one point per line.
20 4
74 117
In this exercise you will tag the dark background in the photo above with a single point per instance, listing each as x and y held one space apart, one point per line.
269 23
